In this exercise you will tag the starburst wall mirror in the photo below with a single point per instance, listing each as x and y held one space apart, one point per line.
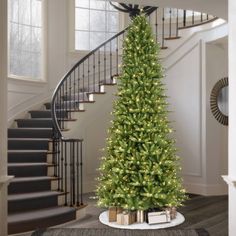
219 101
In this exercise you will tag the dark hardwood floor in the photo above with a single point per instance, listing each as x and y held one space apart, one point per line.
210 213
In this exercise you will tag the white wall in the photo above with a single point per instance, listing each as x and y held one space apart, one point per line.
190 70
216 134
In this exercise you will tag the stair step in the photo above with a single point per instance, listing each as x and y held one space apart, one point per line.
172 38
32 201
30 184
28 169
35 122
27 156
76 96
46 114
30 133
69 105
27 221
28 143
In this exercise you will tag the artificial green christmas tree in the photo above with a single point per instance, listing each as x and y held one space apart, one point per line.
140 168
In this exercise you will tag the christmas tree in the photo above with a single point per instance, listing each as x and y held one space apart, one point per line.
140 168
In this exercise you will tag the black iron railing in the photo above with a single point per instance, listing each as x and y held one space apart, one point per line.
99 67
68 161
166 22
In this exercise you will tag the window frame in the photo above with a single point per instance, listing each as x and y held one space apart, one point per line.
43 78
71 28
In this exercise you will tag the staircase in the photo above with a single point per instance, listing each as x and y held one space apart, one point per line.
34 200
48 186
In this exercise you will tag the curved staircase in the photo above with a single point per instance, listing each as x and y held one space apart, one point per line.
48 186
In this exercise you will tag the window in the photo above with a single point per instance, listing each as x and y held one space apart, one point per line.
25 38
95 22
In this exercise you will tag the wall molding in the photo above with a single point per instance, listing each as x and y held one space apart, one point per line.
25 101
34 102
197 39
206 189
197 45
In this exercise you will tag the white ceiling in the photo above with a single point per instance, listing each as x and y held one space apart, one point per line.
215 7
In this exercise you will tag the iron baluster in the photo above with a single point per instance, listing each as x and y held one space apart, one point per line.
184 18
71 172
88 90
117 56
156 25
94 68
83 81
78 85
62 166
65 167
81 174
170 23
99 69
74 84
104 64
77 174
110 62
177 23
163 29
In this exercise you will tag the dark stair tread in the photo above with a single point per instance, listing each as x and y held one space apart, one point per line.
27 164
34 119
39 214
29 151
30 132
43 111
109 84
32 179
30 128
172 38
96 92
24 196
31 139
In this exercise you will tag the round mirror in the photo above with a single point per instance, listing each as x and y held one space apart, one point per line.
222 100
219 101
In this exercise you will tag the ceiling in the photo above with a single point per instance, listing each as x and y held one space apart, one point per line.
214 7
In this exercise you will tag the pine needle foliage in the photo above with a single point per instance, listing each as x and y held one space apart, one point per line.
140 167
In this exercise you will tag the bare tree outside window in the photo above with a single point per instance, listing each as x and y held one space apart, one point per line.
95 22
25 38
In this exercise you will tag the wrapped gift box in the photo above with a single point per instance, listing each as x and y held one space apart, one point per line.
158 217
126 218
129 218
120 219
112 213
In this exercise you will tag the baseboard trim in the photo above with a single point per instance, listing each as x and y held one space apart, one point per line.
206 190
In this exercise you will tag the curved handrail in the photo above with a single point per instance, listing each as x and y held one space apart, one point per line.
53 105
71 83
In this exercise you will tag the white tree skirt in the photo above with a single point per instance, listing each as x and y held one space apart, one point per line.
177 221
